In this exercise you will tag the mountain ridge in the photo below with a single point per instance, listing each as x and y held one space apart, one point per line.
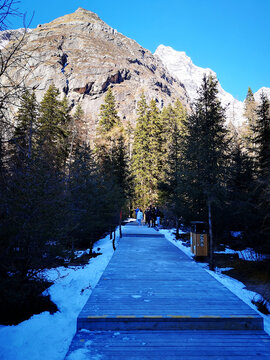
180 65
83 56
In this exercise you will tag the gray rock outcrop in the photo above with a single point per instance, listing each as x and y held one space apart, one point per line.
83 56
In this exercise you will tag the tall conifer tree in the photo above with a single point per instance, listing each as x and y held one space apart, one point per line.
112 157
148 152
262 168
108 116
250 114
140 155
206 151
239 188
155 143
53 126
262 135
26 125
173 188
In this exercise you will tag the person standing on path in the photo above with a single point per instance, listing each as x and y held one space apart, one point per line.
148 216
158 215
139 217
153 216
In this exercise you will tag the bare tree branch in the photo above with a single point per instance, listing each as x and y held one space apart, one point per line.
8 8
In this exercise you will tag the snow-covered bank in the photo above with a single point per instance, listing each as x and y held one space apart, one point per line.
246 254
46 336
232 284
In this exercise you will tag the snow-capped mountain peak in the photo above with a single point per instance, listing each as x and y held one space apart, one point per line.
265 90
7 35
181 67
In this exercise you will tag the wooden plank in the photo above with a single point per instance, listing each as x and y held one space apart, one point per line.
169 345
151 277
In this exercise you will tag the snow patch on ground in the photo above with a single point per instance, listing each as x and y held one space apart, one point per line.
79 354
46 336
232 284
247 254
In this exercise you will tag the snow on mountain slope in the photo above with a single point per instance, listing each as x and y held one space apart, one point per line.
182 67
7 35
266 92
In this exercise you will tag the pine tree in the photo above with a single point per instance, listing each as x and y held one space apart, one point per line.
120 160
26 125
155 143
207 136
111 148
239 213
85 199
174 130
53 124
262 135
250 114
148 152
262 172
170 139
112 157
206 152
173 190
129 129
77 136
79 124
141 157
108 117
249 97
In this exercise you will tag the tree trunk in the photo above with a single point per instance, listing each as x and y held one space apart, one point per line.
70 154
177 228
91 248
30 136
120 230
72 251
120 226
211 240
114 247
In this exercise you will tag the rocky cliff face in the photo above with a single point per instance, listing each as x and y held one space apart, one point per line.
83 56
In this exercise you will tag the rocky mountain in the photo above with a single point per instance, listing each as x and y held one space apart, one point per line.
182 67
83 56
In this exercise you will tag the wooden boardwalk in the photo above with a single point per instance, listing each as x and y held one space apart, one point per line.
153 302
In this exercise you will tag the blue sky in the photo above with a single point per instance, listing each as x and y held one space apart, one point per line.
229 36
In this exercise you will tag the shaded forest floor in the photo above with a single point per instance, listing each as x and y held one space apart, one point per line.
254 275
25 299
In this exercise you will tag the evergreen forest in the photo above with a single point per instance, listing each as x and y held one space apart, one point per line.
62 189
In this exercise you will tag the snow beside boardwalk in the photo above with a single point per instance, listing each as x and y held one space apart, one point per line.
46 336
232 284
